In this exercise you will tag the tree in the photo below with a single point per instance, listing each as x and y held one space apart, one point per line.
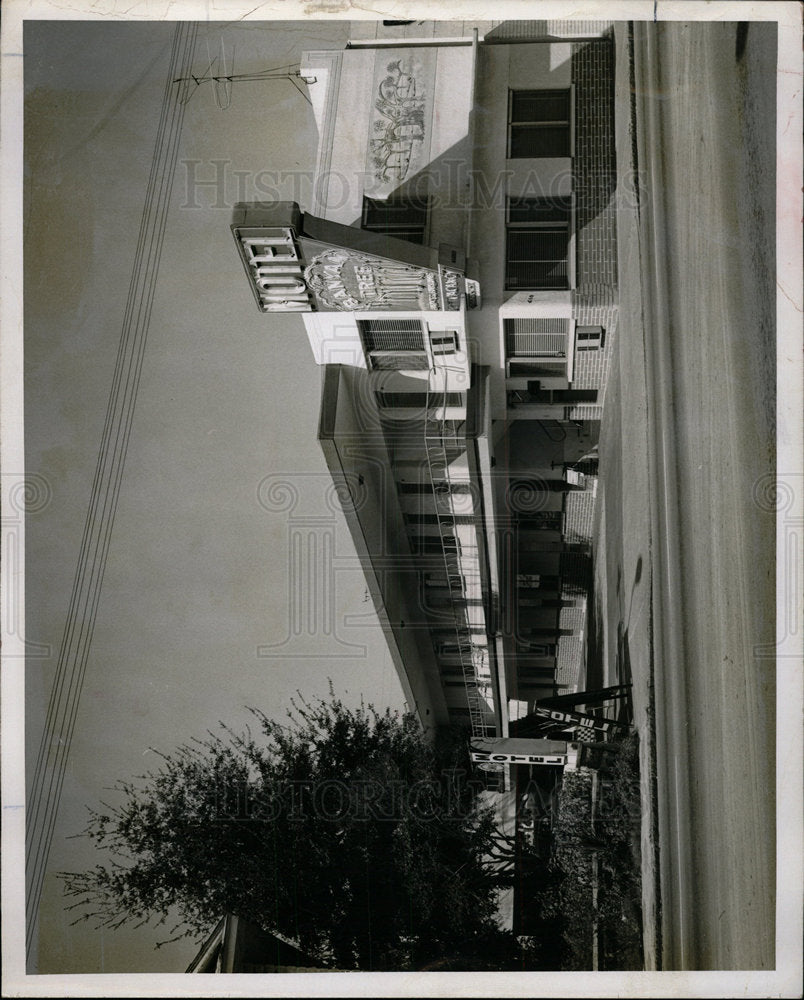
345 830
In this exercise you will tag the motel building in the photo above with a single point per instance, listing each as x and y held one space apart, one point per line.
456 273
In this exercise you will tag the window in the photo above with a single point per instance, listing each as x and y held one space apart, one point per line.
444 343
404 218
589 338
417 400
407 489
457 489
522 368
538 123
402 400
537 243
394 344
568 396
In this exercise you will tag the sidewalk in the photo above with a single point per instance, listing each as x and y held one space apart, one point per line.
622 539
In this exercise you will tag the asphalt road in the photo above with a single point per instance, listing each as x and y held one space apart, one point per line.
703 317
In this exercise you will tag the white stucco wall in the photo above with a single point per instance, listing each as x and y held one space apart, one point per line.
344 177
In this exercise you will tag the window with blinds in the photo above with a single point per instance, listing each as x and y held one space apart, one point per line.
562 396
537 243
540 210
394 344
538 123
417 400
404 218
536 337
525 368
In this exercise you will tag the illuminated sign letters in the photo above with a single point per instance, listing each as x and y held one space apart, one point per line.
276 272
482 757
290 272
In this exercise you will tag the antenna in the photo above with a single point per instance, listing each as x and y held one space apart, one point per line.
223 80
223 88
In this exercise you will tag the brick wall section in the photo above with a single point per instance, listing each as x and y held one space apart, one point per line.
594 307
529 31
594 163
574 618
568 663
569 29
595 297
595 302
579 512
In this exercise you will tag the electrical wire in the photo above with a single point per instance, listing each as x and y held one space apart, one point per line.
48 778
224 80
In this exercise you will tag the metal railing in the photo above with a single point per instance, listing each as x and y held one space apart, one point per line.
443 443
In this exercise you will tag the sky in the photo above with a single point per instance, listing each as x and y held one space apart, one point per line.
198 575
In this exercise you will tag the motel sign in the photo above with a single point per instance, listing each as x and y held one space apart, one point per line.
509 750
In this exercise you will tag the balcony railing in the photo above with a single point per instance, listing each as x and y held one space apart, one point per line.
444 442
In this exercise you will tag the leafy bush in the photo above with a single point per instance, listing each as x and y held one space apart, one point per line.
599 850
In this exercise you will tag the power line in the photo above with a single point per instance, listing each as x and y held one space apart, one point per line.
227 79
48 778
